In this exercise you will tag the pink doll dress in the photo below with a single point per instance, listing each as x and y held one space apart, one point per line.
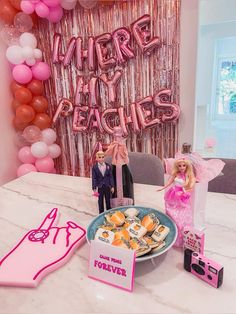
178 207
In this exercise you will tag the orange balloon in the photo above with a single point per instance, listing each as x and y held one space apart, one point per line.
14 86
23 95
36 87
7 11
39 103
25 113
15 104
19 125
42 121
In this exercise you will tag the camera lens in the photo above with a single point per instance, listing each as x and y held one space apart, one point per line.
201 263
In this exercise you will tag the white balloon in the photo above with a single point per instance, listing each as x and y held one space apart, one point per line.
68 4
39 149
54 150
28 52
30 61
49 136
14 54
28 39
38 54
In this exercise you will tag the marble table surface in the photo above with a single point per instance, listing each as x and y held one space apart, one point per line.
161 286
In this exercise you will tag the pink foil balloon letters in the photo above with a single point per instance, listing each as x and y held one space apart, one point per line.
82 89
171 110
85 53
142 34
102 52
121 39
65 108
112 85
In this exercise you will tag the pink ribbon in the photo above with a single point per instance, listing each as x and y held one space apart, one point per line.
119 153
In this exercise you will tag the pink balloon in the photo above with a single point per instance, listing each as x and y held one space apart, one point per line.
64 109
104 61
39 149
24 169
41 9
32 134
55 14
49 136
27 7
54 150
22 74
45 164
41 71
52 3
26 156
171 111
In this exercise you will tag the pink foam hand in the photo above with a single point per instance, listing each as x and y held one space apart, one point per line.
40 251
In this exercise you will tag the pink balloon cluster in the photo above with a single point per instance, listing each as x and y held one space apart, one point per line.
27 60
39 156
49 9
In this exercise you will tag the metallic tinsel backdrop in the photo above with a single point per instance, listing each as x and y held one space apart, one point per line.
142 76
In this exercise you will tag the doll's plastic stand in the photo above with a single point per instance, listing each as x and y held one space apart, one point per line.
40 252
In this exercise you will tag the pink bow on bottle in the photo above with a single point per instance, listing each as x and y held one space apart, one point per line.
119 153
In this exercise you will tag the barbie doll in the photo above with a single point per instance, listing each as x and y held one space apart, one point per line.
178 196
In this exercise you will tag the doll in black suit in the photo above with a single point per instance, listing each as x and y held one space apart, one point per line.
102 181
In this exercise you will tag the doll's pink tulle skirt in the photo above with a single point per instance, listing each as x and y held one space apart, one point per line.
178 207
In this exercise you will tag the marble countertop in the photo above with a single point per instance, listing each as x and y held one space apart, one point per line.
161 286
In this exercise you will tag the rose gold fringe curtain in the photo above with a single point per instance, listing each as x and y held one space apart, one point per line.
142 76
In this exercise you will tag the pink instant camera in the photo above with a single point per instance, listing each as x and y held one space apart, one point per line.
204 268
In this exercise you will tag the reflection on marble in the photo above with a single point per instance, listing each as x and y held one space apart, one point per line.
161 286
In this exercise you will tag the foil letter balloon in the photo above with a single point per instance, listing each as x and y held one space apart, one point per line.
121 38
105 62
142 34
162 102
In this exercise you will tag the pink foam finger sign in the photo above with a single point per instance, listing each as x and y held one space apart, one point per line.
40 252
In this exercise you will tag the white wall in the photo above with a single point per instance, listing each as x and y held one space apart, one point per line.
188 57
8 148
216 11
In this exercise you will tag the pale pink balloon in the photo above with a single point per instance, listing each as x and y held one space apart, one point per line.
25 155
54 150
39 149
27 7
22 74
32 134
24 169
55 14
45 164
88 4
41 9
41 71
49 136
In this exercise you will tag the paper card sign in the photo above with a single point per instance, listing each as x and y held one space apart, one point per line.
112 265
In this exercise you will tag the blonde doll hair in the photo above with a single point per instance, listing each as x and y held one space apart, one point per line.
190 177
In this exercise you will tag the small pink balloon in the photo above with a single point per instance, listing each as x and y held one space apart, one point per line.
24 169
52 3
88 4
54 150
41 71
27 6
23 22
49 136
22 74
41 9
55 14
32 134
26 156
45 164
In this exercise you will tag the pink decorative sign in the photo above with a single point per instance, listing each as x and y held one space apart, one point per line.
40 251
193 239
112 265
